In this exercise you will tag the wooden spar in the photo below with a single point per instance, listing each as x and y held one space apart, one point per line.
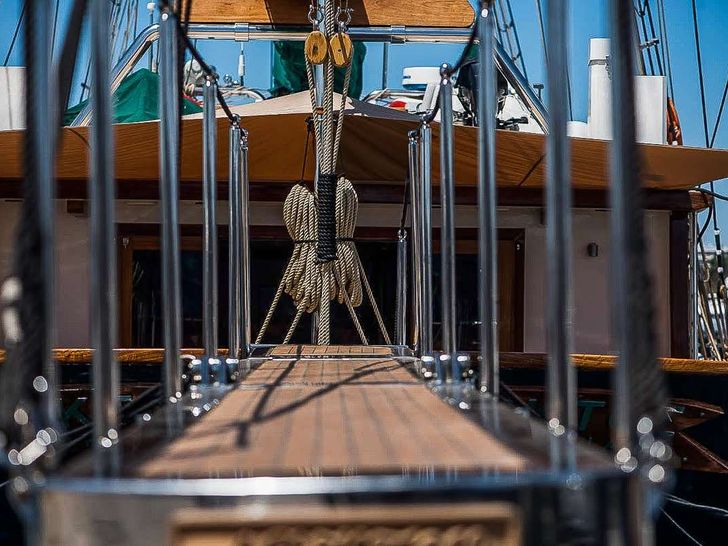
443 13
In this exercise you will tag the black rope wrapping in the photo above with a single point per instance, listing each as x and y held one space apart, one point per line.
326 248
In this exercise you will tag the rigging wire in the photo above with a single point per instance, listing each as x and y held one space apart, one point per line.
681 528
720 114
640 12
15 33
715 510
664 38
648 10
55 26
700 74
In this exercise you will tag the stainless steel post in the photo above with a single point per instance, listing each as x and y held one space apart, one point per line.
401 313
561 376
245 251
209 235
694 280
169 204
385 64
105 371
487 204
235 296
416 208
425 189
447 228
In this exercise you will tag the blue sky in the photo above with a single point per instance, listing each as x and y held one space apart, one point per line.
588 20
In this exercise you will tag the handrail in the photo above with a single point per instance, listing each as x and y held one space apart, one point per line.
246 32
509 360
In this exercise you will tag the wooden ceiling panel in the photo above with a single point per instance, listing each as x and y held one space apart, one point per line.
440 13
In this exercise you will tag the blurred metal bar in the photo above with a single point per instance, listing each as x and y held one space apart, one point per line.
417 262
169 203
639 416
447 230
209 232
561 375
40 135
235 251
487 205
401 302
245 319
105 371
246 32
425 189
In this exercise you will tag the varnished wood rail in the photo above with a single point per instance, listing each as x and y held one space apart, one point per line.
584 362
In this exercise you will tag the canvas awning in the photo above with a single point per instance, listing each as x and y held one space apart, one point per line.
374 150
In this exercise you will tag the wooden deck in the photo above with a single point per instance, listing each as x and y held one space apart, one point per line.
355 351
330 417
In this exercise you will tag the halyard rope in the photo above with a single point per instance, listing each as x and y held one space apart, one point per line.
310 281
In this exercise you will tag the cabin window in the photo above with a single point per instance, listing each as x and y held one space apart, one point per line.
141 304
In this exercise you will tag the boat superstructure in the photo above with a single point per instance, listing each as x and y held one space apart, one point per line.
404 438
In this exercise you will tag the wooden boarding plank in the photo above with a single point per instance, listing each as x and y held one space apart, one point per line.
481 523
336 427
326 372
355 351
443 13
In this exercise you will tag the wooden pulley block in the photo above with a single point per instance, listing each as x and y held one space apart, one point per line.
341 48
316 47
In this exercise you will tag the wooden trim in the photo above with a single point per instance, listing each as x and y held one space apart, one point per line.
508 360
677 200
443 13
679 273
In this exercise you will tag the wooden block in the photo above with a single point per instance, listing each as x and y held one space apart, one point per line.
340 49
466 524
316 47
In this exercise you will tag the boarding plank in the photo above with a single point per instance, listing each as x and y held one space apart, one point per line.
338 425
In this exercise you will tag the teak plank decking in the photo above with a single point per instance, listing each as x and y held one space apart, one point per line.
331 418
357 351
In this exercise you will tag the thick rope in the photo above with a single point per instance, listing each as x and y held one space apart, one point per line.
311 285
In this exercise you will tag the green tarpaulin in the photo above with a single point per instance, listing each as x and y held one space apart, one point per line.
136 99
289 70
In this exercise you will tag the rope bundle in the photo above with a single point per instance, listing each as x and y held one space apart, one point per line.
305 279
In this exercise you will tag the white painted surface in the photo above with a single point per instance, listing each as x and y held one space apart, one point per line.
650 95
650 100
590 282
12 97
